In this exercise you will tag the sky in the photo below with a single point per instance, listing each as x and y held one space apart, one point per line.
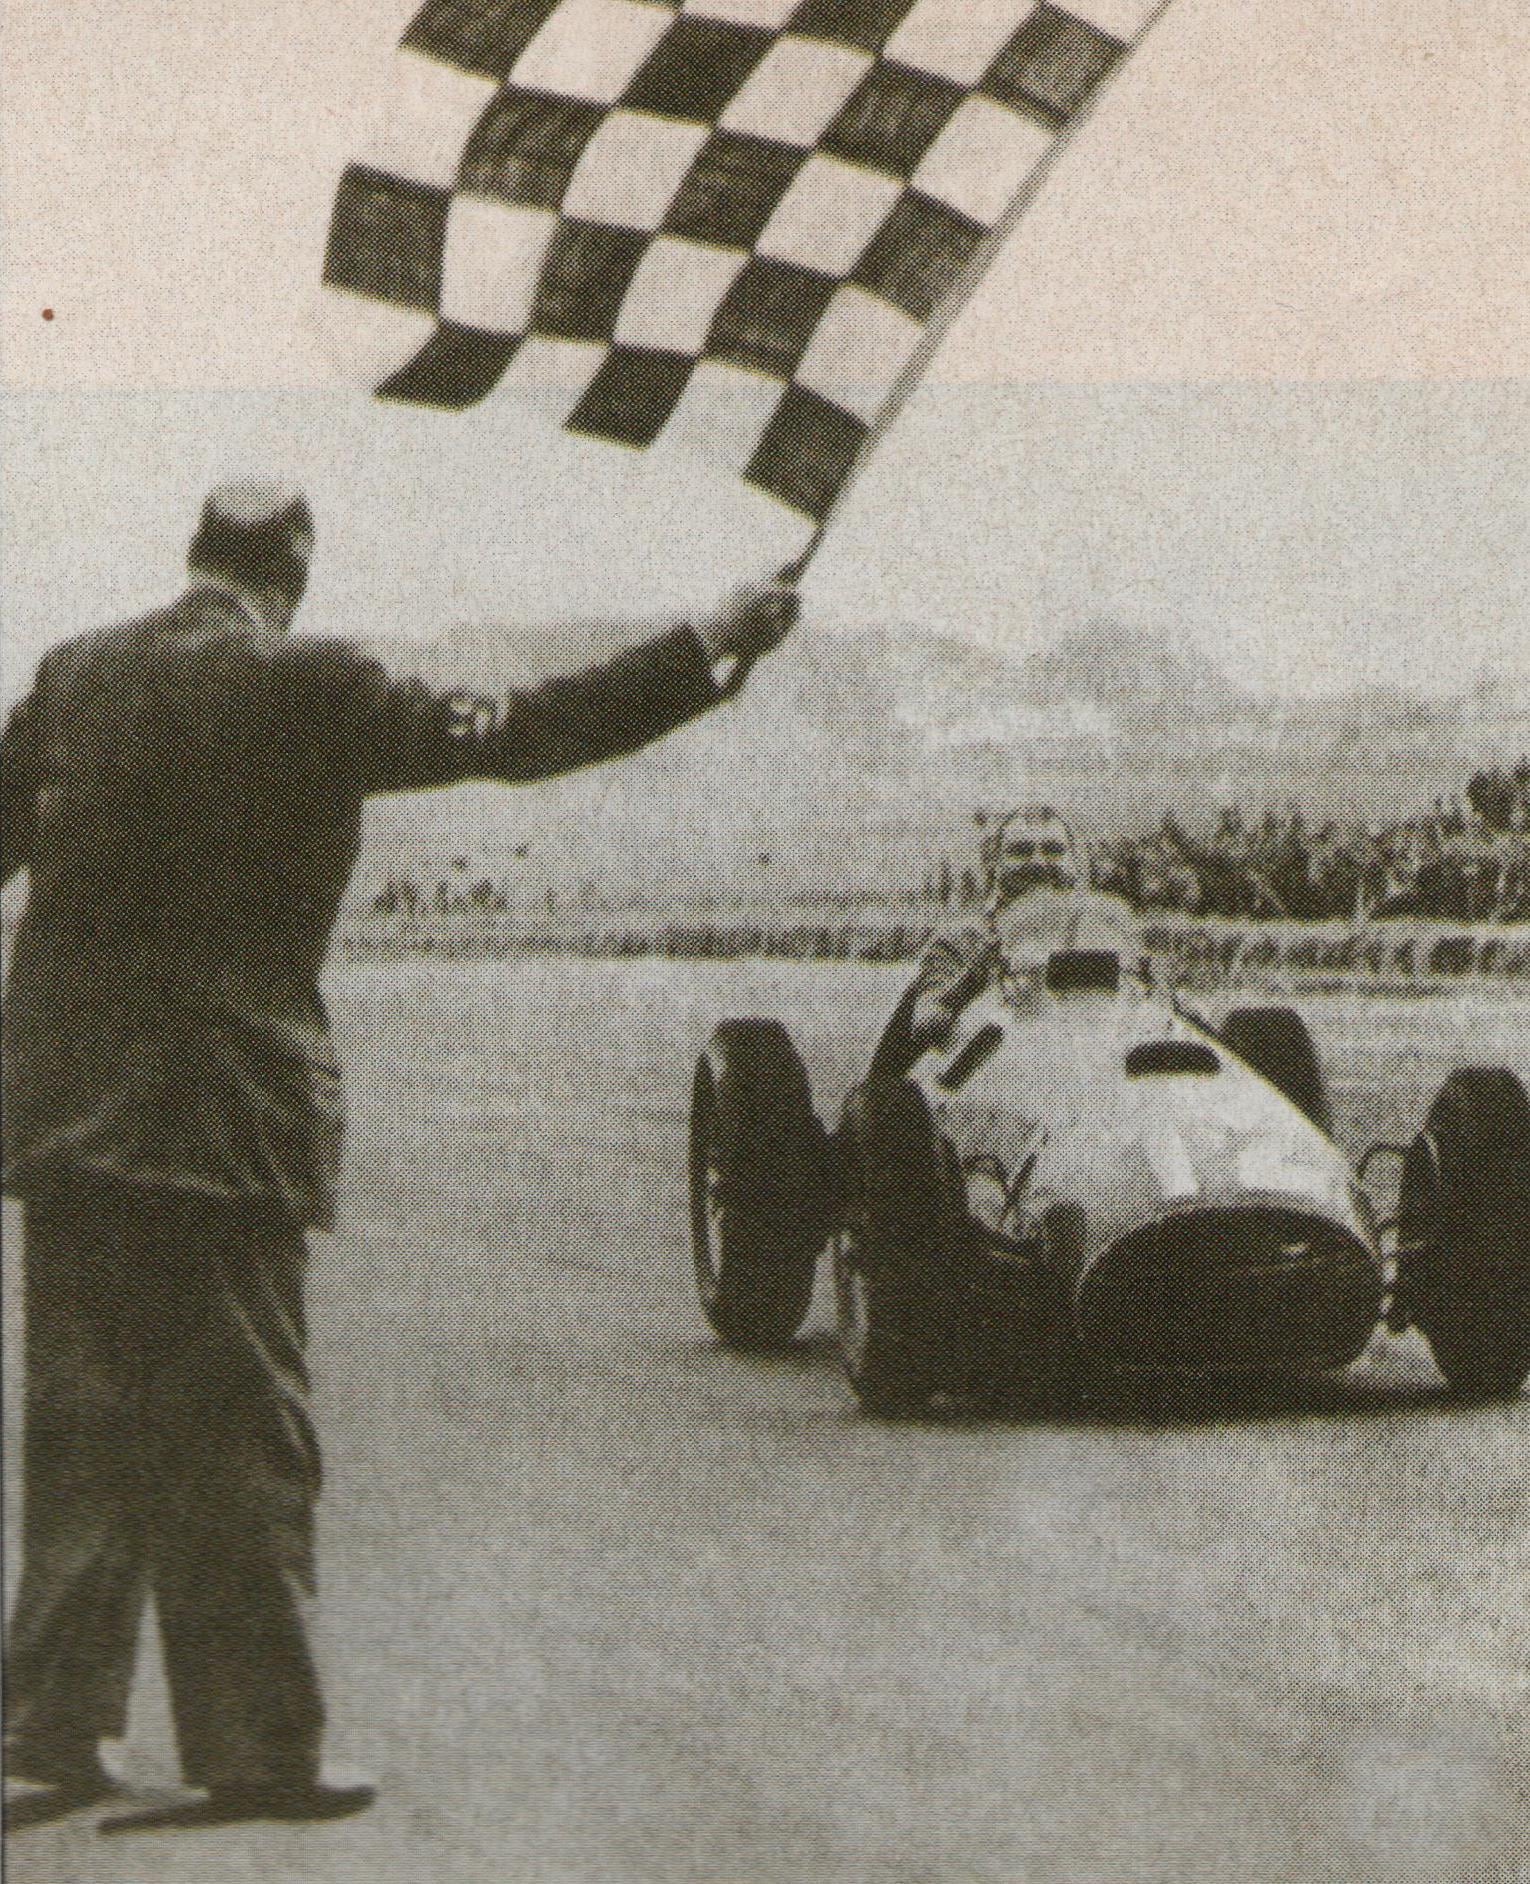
1255 368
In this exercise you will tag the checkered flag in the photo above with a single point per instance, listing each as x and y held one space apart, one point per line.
679 209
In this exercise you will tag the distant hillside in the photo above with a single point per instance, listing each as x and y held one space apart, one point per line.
860 756
1129 671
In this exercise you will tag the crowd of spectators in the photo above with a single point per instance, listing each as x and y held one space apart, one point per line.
1464 860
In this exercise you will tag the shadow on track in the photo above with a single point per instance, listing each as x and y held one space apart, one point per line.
1150 1401
1165 1402
808 1354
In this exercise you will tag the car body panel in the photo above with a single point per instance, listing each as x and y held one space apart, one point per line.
1155 1193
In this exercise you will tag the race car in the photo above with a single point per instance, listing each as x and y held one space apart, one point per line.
1087 1177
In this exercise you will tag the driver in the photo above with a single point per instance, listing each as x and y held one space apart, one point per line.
1038 901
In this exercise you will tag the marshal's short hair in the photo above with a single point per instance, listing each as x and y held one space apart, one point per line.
256 533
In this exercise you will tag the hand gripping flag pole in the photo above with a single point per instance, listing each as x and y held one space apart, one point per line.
654 203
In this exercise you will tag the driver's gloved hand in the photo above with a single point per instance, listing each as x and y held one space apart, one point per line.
931 1022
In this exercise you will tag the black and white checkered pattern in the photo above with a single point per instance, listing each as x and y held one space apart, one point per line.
648 202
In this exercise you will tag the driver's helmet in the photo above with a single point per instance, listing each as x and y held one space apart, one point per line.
1026 849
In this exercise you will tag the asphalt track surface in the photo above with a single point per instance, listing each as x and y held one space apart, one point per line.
604 1602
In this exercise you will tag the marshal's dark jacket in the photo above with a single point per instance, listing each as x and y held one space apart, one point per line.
186 792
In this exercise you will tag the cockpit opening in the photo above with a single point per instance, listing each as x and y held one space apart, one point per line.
1075 971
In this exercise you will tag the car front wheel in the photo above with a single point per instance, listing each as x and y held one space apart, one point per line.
892 1272
1464 1233
759 1180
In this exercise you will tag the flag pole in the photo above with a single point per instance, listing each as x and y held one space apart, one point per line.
952 303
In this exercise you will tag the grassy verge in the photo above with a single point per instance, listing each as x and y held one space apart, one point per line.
1402 952
1405 952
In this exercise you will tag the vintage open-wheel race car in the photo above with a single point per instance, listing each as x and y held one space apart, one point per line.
1088 1177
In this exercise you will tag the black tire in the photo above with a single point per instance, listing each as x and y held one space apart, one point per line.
892 1281
1054 1370
757 1174
1275 1042
1464 1233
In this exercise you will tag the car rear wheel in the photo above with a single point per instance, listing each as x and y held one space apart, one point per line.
758 1170
892 1281
1464 1232
1276 1043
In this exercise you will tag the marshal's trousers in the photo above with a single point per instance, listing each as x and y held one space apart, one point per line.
168 1451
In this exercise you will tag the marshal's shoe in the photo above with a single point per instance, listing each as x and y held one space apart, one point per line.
45 1783
331 1795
